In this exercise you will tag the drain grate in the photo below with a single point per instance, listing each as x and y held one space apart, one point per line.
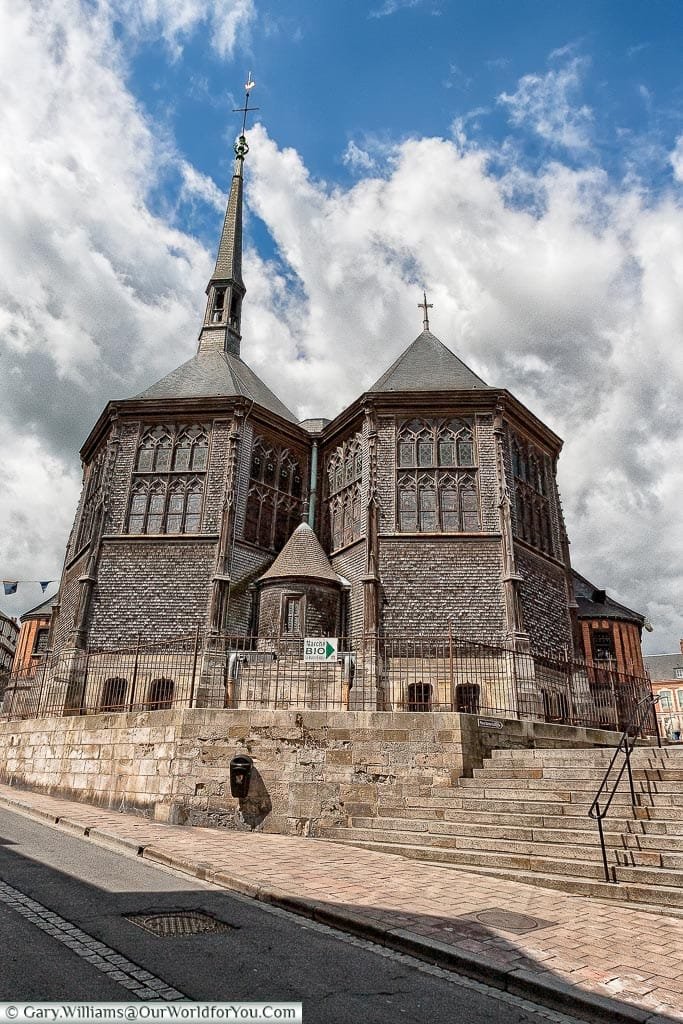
509 921
177 923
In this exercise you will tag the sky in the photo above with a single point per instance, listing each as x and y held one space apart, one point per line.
522 160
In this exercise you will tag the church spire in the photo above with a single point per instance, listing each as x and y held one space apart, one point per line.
226 290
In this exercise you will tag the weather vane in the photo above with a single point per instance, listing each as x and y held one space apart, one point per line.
424 305
241 147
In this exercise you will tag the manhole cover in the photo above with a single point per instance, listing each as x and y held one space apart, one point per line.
172 924
509 921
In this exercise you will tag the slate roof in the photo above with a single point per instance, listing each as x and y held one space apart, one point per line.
427 365
229 256
596 604
213 374
42 610
662 667
302 556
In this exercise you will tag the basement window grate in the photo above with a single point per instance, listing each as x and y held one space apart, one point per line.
179 923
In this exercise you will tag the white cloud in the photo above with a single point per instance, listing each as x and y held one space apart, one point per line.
545 104
201 186
357 159
176 20
676 158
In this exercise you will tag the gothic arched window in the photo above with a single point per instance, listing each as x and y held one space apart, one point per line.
344 473
443 499
274 498
168 483
91 498
531 475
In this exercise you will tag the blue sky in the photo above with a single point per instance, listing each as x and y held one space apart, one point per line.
523 161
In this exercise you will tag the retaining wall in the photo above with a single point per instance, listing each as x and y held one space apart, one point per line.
310 767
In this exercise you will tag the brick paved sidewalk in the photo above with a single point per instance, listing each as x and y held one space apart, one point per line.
582 950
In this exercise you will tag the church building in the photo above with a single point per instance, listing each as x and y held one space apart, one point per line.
428 506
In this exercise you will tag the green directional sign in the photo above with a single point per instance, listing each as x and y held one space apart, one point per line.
320 648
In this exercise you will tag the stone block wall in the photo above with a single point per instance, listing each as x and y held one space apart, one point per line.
311 767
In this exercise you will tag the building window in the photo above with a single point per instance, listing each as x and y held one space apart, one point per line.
168 483
113 694
218 311
678 673
467 698
603 645
532 475
419 697
160 695
666 700
344 473
274 505
292 615
41 639
91 499
679 696
436 483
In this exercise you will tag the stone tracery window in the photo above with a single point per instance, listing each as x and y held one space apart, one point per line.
274 503
168 482
436 482
344 472
91 498
532 474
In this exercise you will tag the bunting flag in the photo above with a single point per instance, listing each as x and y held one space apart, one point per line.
10 586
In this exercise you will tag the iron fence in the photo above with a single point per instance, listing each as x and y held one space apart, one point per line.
378 674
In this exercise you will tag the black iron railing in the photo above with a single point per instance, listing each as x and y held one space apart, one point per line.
643 712
387 673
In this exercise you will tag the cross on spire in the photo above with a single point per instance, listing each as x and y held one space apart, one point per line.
241 147
424 305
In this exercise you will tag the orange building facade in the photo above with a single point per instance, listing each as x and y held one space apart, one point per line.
34 636
609 632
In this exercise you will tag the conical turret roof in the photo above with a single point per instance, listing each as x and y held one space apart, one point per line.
302 556
427 365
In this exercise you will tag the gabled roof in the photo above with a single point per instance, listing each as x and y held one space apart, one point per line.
594 603
42 610
302 556
427 365
215 374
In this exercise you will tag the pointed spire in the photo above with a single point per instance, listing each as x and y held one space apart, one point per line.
226 289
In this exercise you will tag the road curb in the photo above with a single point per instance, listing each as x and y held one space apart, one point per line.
550 992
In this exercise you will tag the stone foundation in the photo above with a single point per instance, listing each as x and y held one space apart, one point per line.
311 768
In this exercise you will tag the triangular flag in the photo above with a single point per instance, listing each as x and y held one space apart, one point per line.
10 586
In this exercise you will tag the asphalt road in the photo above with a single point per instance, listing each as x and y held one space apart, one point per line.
266 954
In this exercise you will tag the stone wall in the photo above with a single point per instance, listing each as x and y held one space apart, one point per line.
432 583
311 768
544 601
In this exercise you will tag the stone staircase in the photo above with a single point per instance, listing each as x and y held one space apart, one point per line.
524 816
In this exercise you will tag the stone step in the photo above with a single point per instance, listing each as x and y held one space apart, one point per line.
442 828
543 843
559 821
653 896
575 773
589 755
499 784
672 876
671 842
523 862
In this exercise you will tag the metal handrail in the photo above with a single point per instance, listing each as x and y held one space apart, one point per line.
625 746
